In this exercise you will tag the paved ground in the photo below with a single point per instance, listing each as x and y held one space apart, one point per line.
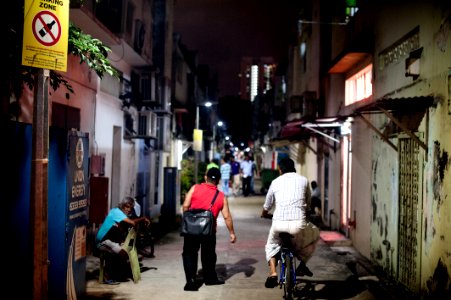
339 271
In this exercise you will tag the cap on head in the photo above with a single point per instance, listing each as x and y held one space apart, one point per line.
214 173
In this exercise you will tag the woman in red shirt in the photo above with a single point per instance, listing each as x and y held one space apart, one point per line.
200 197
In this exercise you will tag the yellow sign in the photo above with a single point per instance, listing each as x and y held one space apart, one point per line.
197 140
46 34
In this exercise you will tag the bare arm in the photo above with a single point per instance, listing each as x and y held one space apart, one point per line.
228 220
187 202
135 222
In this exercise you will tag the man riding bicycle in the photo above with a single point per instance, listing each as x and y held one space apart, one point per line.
290 195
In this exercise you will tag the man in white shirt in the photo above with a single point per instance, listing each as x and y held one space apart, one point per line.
246 173
290 194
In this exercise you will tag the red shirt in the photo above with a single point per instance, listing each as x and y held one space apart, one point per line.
203 194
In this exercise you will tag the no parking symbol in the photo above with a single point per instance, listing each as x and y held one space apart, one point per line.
46 28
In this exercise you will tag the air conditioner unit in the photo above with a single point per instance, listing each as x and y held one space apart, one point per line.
147 124
139 37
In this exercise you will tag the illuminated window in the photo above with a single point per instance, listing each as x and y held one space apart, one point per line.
358 86
254 82
351 8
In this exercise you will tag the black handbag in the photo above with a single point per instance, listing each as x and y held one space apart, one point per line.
199 221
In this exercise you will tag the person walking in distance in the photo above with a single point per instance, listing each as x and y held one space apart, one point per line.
246 173
225 169
236 178
290 194
199 197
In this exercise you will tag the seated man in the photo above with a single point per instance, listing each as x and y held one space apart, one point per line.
111 234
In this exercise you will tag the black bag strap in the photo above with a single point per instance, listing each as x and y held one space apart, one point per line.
214 199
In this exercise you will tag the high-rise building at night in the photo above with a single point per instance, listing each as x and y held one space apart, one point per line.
257 76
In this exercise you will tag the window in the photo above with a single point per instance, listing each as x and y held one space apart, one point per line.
359 86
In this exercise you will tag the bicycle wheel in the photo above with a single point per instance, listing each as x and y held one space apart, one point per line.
289 280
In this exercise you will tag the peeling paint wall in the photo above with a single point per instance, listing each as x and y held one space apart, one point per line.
436 263
434 23
384 202
361 187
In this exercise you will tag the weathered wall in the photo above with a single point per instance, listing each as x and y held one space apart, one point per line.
384 202
434 80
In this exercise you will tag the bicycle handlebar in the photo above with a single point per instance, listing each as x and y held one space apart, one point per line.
266 216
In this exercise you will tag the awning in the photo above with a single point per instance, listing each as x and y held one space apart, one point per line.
408 104
328 127
401 107
299 131
347 60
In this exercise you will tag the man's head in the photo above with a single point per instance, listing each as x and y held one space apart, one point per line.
314 184
286 165
213 175
127 205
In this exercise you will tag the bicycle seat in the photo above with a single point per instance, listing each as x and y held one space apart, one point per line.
285 235
286 239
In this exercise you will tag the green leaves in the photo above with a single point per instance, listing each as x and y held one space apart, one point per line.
90 51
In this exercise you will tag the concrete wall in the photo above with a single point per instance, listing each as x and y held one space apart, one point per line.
434 80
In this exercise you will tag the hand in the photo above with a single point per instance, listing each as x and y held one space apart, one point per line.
232 238
265 214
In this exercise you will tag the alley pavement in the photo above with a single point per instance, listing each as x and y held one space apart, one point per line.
339 272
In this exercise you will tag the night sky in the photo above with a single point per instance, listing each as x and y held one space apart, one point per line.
223 31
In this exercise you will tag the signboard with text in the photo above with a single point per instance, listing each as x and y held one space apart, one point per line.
45 34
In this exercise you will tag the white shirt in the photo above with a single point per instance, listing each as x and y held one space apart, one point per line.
290 193
246 167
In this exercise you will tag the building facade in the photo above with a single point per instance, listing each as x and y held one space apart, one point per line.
377 138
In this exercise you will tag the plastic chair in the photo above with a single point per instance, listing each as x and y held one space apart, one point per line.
128 246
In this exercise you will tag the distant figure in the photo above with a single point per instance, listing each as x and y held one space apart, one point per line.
213 164
225 169
316 199
315 205
254 173
246 173
236 178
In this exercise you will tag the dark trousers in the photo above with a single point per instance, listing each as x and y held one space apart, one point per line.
207 246
247 185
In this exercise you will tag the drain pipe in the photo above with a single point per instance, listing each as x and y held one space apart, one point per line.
331 212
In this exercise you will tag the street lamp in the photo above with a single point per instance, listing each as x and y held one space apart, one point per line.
213 142
198 139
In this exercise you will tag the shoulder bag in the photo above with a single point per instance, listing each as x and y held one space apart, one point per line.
199 221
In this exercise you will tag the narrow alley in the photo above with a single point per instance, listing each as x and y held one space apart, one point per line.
339 271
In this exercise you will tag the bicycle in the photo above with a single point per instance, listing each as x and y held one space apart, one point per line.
287 274
287 263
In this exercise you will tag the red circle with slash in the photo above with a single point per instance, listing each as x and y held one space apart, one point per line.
46 28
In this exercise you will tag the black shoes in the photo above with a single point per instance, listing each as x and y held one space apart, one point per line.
195 285
302 270
214 282
271 282
191 286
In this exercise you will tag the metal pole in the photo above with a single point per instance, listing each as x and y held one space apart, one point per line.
39 190
196 153
197 116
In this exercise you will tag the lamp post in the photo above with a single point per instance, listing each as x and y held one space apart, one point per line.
214 143
197 139
196 149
